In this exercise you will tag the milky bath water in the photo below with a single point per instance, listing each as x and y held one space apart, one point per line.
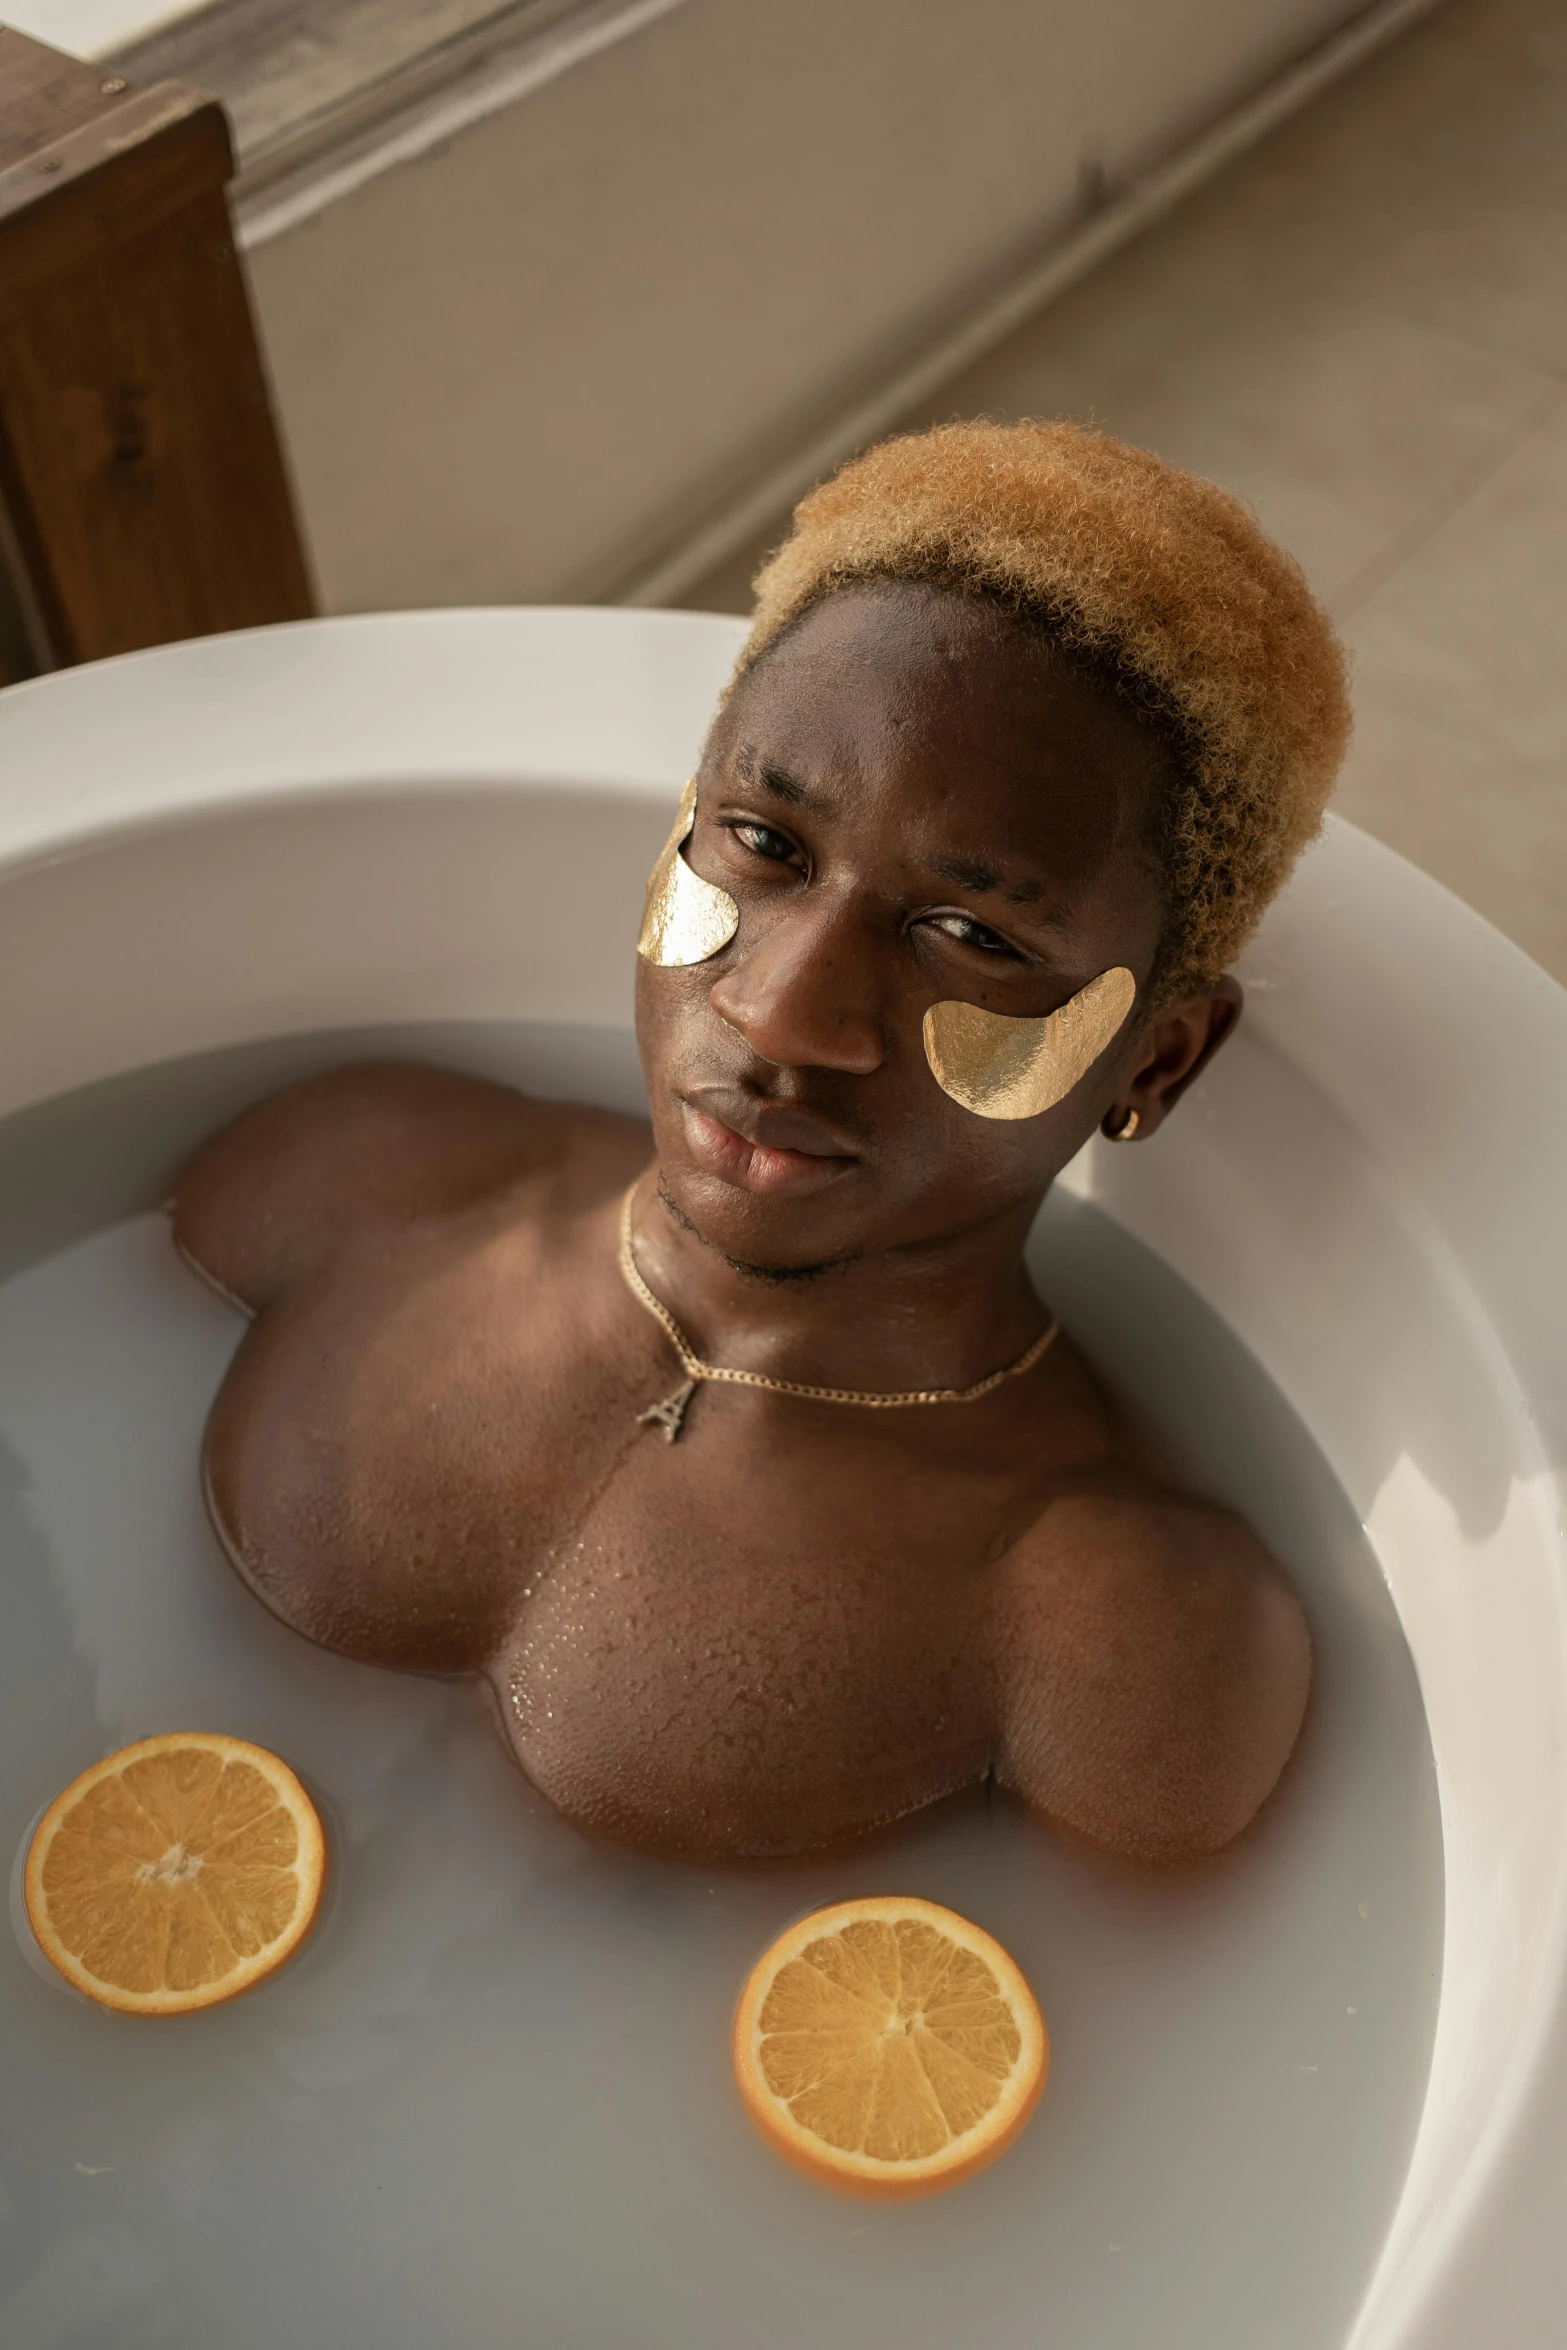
490 2103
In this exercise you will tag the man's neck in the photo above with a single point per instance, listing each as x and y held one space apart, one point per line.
936 1313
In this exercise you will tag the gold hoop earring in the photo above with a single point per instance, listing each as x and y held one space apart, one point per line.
1127 1128
1000 1067
684 919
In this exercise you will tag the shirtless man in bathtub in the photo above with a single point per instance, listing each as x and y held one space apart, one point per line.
1028 724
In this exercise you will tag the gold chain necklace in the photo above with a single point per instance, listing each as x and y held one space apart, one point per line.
670 1414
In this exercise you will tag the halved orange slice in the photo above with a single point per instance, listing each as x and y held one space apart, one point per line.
888 2047
175 1873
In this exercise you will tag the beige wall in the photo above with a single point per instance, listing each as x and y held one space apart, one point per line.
518 366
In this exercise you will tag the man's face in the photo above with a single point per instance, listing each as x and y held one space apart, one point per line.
911 799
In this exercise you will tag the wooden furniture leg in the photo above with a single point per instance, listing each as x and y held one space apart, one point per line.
143 494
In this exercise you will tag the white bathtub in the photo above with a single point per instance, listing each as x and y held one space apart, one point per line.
1368 1188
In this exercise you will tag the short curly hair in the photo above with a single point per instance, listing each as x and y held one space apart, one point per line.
1161 586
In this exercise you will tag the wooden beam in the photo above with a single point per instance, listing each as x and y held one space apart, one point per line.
143 494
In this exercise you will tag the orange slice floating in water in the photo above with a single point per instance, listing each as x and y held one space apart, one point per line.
888 2047
175 1873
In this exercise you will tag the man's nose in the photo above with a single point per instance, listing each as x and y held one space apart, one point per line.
805 995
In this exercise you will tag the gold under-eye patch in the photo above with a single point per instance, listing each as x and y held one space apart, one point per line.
685 918
1000 1067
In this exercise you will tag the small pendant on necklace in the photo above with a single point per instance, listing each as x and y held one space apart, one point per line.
670 1414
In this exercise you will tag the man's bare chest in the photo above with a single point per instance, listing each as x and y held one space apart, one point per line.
435 1456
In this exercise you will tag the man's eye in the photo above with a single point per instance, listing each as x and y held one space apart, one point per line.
970 933
762 841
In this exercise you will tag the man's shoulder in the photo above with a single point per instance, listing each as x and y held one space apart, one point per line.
1142 1535
1160 1625
379 1144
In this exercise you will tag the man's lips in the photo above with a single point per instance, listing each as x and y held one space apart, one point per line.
762 1146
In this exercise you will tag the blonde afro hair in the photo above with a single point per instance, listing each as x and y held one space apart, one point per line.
1161 585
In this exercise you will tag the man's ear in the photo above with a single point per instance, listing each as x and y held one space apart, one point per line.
1173 1050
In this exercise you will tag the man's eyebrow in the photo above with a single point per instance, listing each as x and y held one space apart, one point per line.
968 873
766 776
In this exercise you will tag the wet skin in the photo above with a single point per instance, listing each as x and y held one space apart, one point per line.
802 1620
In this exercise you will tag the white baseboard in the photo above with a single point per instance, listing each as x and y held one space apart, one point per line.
323 100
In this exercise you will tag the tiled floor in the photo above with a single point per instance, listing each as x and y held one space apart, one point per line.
1362 328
